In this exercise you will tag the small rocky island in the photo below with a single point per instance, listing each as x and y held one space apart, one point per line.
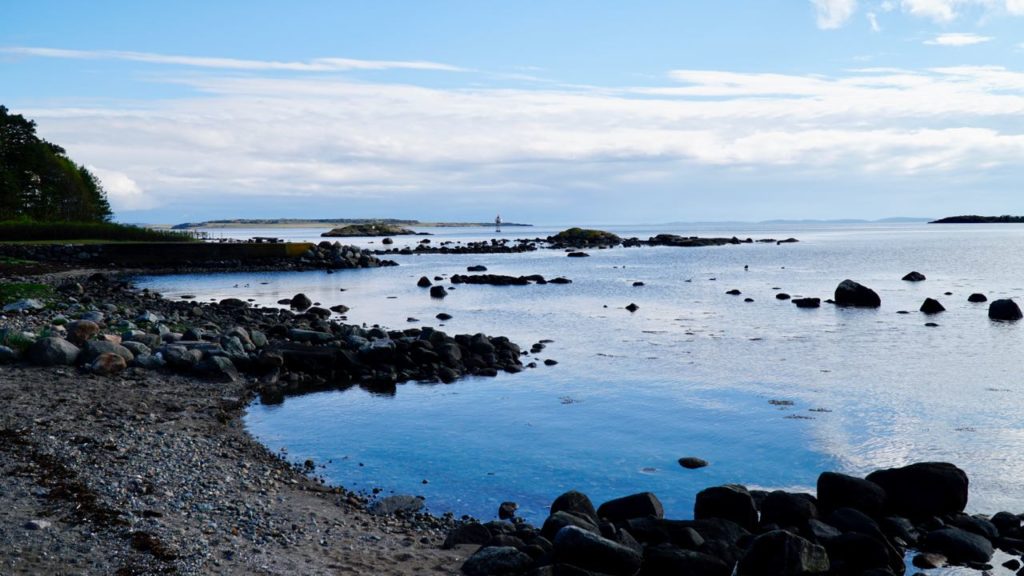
369 229
975 219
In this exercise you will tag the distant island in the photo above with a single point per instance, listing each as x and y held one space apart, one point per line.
371 229
331 223
975 219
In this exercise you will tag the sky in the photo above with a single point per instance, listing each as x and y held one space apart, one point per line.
547 112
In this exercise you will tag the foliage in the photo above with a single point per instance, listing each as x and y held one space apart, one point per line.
38 181
28 231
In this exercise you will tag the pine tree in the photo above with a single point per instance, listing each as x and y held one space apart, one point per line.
39 182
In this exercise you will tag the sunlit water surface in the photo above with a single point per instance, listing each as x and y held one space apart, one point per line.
693 372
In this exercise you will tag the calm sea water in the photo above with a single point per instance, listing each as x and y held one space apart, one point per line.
769 394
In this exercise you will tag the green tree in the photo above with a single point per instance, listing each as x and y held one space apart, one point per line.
38 181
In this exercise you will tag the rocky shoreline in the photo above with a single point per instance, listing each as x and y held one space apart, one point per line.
124 453
852 526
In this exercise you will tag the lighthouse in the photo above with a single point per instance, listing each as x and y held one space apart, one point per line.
497 224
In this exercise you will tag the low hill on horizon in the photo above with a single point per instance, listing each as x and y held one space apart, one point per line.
326 222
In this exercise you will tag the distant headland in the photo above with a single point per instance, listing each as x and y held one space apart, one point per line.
330 223
975 219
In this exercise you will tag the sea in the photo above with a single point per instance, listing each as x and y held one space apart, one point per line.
770 395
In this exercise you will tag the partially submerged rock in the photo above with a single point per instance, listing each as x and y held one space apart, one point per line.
583 237
850 293
1004 309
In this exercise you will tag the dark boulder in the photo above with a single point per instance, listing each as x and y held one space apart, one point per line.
507 510
438 292
632 506
850 293
692 462
734 292
1004 309
300 302
496 561
837 490
924 489
632 307
424 282
53 351
977 297
576 546
785 509
558 520
914 277
667 559
807 302
960 546
782 296
577 255
778 553
979 526
730 502
932 306
854 552
468 533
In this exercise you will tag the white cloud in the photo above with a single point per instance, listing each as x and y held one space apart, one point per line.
123 193
314 65
958 39
330 138
873 21
833 13
1015 7
938 10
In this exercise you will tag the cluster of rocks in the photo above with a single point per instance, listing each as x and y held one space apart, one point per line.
335 255
856 526
502 280
492 246
854 294
105 326
194 256
694 241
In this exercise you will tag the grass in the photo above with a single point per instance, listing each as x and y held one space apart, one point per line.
22 231
14 291
9 261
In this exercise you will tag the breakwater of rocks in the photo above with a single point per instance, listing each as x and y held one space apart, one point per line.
190 256
852 526
104 325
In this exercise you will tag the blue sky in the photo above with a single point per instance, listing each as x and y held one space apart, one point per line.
547 112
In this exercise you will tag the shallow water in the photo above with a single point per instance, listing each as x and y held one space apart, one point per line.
693 372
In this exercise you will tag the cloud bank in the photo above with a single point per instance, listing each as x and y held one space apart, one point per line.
337 140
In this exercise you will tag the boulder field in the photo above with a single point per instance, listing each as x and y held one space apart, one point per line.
103 326
855 526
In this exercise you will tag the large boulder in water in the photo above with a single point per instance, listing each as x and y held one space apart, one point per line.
850 293
924 489
914 276
932 306
1004 309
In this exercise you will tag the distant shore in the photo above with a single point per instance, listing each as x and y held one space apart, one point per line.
328 223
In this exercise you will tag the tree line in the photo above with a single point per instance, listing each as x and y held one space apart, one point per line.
39 182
